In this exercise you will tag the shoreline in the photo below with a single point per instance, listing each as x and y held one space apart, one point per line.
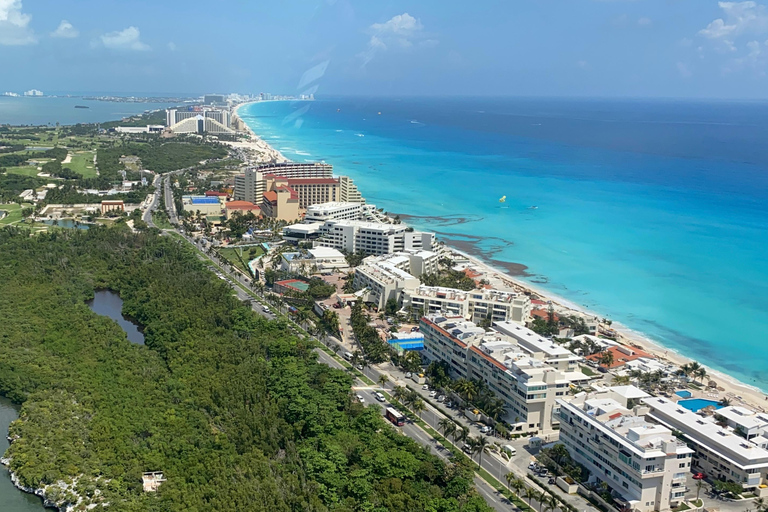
733 387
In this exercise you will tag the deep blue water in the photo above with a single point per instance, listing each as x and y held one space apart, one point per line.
652 213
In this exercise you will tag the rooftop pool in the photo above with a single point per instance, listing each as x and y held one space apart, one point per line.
696 404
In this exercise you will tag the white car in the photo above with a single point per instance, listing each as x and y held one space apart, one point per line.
425 386
441 398
380 397
360 398
432 394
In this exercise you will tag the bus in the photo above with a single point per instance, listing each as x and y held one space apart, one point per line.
395 417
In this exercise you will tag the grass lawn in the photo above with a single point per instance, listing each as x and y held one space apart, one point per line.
25 170
82 164
586 370
14 213
231 255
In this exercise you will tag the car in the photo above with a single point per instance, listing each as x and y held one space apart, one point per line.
432 394
441 398
533 466
543 472
425 386
380 397
467 448
485 430
360 398
408 375
449 404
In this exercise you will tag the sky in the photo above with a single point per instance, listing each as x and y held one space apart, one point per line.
599 48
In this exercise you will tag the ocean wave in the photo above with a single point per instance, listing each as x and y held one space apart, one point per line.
302 153
360 135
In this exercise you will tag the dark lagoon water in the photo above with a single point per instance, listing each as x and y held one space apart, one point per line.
12 499
66 223
109 303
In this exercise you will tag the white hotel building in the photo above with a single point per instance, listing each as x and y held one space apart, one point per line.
371 237
527 383
340 211
723 451
642 462
474 305
381 278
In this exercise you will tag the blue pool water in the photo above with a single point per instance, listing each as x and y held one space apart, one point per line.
652 213
683 394
695 404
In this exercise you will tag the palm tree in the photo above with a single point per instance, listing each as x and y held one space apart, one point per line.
450 429
701 373
481 446
530 493
461 434
443 425
399 393
543 499
418 406
700 484
621 380
760 503
383 379
551 502
514 483
606 358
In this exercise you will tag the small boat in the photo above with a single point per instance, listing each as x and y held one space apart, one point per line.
533 207
379 113
503 199
81 106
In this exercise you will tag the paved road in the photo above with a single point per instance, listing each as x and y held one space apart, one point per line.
431 416
148 212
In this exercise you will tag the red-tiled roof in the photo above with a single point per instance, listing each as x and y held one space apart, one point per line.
211 193
241 205
471 273
540 313
294 194
270 196
619 357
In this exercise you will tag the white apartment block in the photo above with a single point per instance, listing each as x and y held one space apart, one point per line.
297 170
377 274
642 462
723 451
372 237
340 211
554 354
522 378
378 282
474 305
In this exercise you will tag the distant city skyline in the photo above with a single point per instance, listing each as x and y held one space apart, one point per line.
604 48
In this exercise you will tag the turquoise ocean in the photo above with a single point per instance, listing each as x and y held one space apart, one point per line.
61 109
651 213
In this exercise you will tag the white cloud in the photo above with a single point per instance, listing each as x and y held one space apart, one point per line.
400 31
65 30
740 18
684 69
128 39
644 22
14 24
172 46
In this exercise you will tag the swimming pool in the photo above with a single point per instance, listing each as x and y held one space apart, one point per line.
695 404
683 393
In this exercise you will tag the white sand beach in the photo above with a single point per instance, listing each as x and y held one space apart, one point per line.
256 146
736 391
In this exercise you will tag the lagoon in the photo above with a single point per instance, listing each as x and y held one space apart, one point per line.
109 303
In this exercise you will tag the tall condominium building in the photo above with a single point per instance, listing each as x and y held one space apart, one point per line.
349 191
554 354
474 305
314 190
372 237
281 203
522 378
250 186
731 445
198 121
221 116
214 99
640 461
297 170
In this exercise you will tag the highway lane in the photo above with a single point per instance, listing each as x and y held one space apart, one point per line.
431 416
